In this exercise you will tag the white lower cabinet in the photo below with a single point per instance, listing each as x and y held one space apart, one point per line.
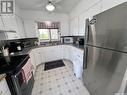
76 56
65 51
33 61
52 53
43 53
78 69
38 57
4 90
47 54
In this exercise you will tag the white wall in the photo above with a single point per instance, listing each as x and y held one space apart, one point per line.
41 16
88 8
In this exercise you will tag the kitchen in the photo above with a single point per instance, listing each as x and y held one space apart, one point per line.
60 51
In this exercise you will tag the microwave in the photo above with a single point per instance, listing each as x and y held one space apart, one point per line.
68 40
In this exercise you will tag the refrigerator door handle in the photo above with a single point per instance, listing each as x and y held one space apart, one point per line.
87 31
88 34
85 58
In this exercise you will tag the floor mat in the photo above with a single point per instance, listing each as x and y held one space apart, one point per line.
53 64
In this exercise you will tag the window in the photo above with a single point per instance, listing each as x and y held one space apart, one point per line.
54 34
48 34
44 34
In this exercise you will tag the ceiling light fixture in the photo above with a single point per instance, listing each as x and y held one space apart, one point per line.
50 7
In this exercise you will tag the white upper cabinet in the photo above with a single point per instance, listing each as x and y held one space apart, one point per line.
13 24
82 25
30 28
107 4
1 24
74 27
64 28
10 22
10 25
88 14
20 26
77 24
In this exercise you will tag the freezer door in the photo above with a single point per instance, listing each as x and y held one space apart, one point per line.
110 29
104 71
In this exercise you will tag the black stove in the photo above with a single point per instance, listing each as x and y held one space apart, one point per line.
12 67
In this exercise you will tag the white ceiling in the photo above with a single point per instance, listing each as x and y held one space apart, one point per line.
64 6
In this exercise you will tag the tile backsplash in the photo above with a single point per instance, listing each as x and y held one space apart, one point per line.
31 41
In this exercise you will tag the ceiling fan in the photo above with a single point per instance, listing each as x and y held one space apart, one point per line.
50 5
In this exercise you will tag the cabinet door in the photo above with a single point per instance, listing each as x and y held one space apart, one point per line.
33 62
11 35
38 57
64 28
66 52
20 27
74 26
48 56
53 53
11 25
80 56
30 28
43 54
71 28
59 52
1 24
82 26
4 90
72 53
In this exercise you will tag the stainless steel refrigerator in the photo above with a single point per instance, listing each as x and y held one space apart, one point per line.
105 52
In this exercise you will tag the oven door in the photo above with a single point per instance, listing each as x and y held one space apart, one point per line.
20 87
17 85
14 82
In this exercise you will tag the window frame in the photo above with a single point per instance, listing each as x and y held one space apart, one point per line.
50 38
48 35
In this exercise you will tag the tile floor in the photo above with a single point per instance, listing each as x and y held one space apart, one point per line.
59 81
